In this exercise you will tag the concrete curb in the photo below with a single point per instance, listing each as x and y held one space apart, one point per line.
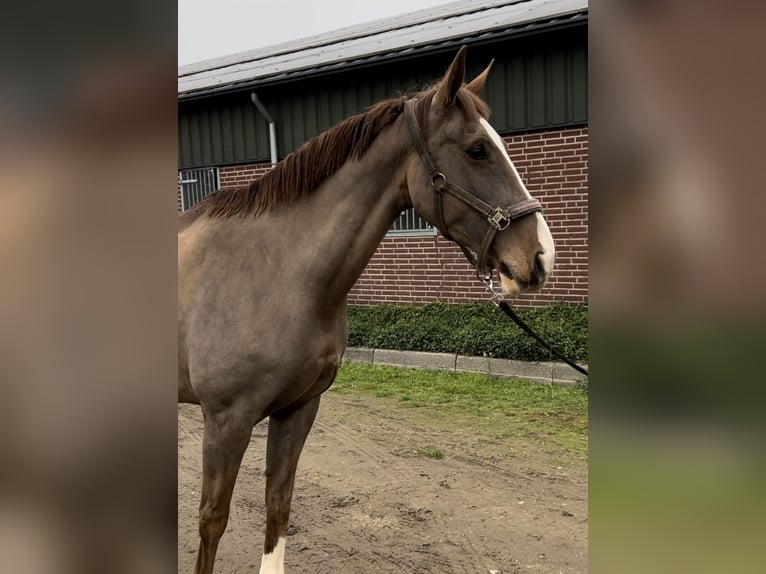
538 372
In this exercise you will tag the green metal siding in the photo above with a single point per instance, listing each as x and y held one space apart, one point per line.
540 90
537 82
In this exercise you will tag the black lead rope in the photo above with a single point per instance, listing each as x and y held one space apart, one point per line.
524 327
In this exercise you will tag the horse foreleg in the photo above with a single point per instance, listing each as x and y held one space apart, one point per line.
287 434
224 442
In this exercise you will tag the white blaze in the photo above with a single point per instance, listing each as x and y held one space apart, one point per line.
544 236
274 562
498 141
546 242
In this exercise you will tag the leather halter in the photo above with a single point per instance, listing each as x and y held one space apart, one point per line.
498 218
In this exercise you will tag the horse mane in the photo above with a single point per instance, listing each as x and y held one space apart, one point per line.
303 170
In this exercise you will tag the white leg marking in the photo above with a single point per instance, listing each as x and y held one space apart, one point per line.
274 563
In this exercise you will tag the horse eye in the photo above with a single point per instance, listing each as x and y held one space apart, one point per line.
477 152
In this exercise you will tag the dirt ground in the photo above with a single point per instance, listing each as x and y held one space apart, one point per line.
367 502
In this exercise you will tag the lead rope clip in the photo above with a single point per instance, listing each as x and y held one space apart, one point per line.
497 296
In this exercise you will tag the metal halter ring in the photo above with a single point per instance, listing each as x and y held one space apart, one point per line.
438 180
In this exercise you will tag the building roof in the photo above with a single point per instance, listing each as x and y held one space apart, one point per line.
430 29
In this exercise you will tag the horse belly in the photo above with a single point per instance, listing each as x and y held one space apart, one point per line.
306 376
264 378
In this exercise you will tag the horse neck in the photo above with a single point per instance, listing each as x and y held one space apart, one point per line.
342 223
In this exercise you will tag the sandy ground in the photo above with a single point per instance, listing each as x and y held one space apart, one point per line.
366 502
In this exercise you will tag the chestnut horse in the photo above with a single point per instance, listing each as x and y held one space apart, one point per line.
264 272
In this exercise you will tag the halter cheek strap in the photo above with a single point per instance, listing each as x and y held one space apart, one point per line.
498 218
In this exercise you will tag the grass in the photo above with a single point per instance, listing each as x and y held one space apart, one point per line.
434 453
556 416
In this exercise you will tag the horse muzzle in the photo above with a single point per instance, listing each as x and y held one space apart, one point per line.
532 278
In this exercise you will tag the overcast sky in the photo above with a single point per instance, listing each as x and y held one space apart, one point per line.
212 28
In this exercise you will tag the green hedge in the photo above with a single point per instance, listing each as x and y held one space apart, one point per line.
478 329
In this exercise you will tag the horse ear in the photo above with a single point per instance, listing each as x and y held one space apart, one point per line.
452 80
477 84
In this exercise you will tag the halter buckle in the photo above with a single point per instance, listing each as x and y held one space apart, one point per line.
499 219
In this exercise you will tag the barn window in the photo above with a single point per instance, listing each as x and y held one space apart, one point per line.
410 223
196 184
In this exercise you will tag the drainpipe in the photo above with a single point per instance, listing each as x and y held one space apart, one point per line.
272 127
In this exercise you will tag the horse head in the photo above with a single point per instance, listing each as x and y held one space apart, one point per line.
469 188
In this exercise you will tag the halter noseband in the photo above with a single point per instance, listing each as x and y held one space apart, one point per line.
498 218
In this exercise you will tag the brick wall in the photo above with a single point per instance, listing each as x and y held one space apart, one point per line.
241 175
554 166
417 270
414 270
